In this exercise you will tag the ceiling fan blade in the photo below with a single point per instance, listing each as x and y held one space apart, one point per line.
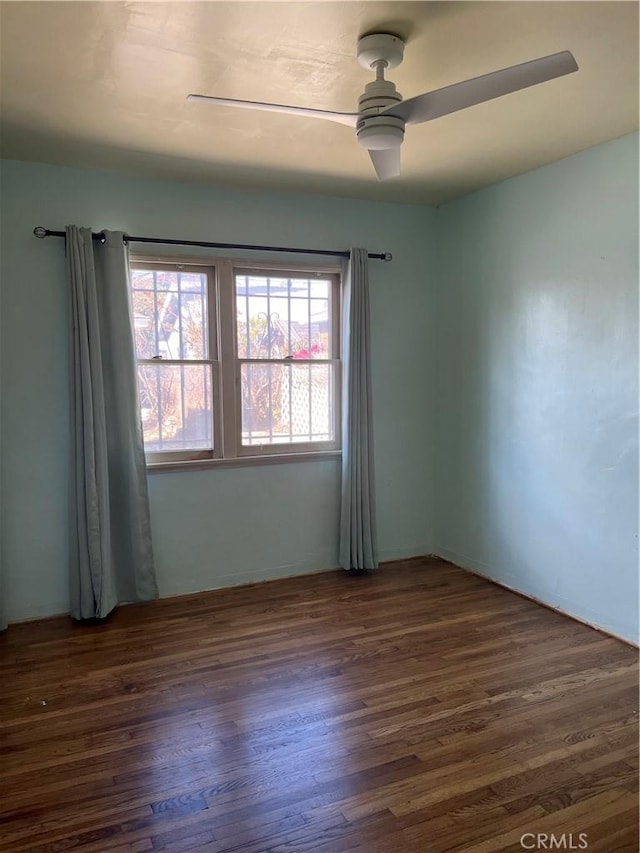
459 96
386 162
349 119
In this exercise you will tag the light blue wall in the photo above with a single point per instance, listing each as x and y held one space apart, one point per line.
537 384
223 526
505 373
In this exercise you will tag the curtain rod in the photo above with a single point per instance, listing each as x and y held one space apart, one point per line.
41 233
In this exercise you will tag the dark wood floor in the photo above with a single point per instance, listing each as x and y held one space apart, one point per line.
416 710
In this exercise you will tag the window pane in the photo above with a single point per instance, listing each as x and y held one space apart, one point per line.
176 406
279 317
170 314
192 281
193 325
144 323
262 327
281 327
317 330
319 288
287 403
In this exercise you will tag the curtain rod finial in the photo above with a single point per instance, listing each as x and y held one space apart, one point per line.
40 232
388 257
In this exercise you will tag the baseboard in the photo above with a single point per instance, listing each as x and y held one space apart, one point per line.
530 597
393 555
386 563
279 573
254 580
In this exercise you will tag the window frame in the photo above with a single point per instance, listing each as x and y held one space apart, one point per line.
212 360
226 365
257 450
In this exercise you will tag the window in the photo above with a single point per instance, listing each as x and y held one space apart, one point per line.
235 361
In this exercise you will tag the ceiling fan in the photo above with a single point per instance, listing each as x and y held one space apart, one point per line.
382 113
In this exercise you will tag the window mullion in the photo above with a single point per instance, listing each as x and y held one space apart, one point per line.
176 361
309 379
230 396
294 361
270 368
213 358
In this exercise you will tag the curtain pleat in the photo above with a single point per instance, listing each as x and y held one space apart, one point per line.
111 551
3 601
358 535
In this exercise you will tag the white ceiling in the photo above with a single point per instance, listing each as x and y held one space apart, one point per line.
103 84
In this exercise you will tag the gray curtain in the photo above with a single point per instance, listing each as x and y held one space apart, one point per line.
358 538
111 552
3 601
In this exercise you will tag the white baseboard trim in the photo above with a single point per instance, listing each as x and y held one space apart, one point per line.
481 570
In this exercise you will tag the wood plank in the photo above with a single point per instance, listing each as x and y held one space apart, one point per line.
418 707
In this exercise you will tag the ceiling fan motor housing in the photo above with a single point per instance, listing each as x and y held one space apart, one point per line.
377 96
376 133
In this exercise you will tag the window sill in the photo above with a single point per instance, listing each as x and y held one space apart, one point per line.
243 461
